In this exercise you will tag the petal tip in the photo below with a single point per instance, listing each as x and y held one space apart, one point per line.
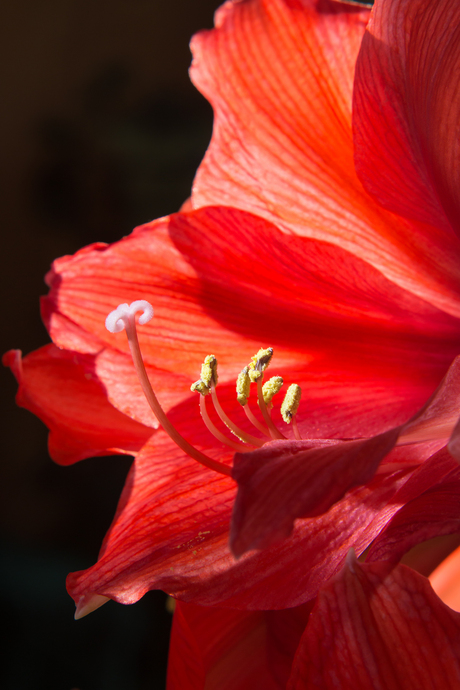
88 604
351 561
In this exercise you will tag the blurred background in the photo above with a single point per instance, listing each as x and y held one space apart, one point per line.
101 130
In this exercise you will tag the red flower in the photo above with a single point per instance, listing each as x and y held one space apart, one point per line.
349 273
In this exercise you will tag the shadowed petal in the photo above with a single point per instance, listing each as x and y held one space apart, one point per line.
218 649
439 416
430 507
215 648
374 627
81 420
285 480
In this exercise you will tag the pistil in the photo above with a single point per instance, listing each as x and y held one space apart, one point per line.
123 318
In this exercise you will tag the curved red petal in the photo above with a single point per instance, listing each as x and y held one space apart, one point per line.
430 501
285 480
439 416
377 627
218 649
279 77
406 110
81 420
171 532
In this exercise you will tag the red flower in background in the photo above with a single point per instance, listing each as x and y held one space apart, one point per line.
343 258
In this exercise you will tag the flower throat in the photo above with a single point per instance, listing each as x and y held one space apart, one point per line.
124 318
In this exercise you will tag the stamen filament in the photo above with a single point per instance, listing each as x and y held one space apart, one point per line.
215 431
253 419
295 428
275 433
242 435
126 315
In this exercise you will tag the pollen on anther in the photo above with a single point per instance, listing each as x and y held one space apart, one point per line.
200 386
209 371
271 388
259 363
243 386
291 403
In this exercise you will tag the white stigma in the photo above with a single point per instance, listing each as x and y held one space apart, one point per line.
124 314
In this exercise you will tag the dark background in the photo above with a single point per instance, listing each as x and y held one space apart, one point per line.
100 130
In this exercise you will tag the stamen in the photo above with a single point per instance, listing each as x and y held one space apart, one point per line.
243 386
275 433
255 422
295 429
271 388
124 318
242 435
291 403
215 431
209 371
259 363
203 389
209 374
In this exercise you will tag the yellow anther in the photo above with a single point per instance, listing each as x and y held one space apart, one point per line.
243 385
291 403
259 363
209 371
271 388
200 386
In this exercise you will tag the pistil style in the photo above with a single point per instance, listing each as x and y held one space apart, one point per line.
124 318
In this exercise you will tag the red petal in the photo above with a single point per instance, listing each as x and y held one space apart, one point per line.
279 77
61 389
407 108
454 442
378 628
363 338
285 480
439 416
171 533
218 649
431 497
223 648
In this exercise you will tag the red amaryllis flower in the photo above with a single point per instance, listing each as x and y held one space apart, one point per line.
341 258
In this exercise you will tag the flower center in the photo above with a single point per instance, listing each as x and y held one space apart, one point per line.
124 318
